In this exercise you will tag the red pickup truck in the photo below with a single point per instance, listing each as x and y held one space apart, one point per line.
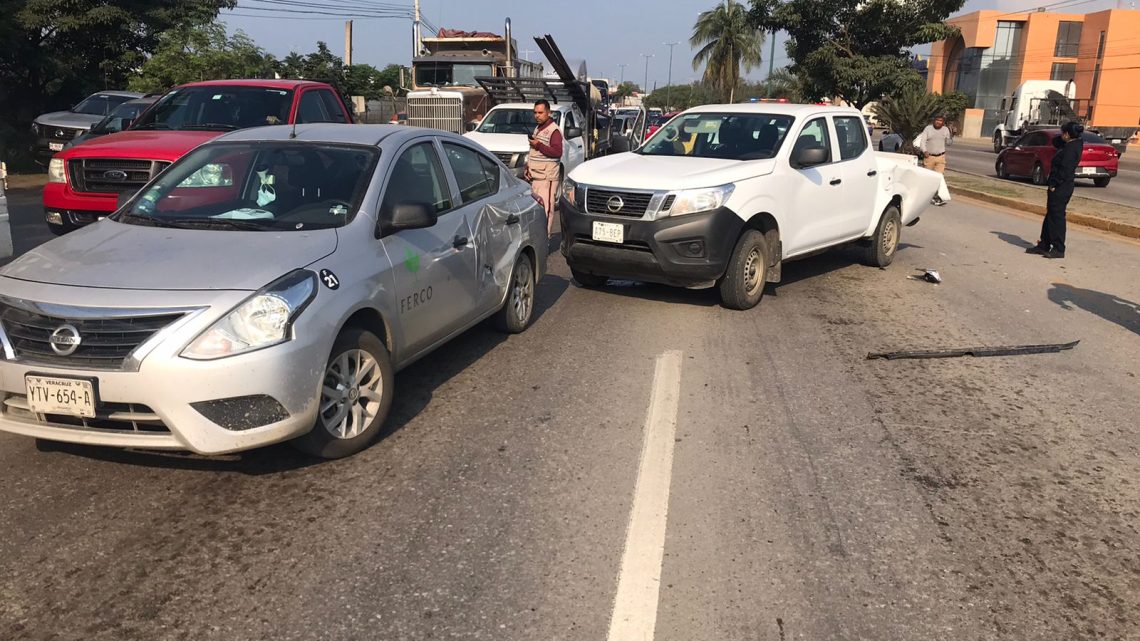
85 181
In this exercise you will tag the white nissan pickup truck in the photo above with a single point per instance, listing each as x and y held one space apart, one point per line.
723 194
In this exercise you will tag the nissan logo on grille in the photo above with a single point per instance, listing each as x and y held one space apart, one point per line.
115 174
614 204
65 340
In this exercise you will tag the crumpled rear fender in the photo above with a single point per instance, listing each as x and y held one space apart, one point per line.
914 186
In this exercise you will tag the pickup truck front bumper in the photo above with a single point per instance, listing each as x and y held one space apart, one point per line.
692 250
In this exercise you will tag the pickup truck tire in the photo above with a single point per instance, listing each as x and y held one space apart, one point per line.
518 310
742 285
998 143
880 252
357 388
1101 182
588 280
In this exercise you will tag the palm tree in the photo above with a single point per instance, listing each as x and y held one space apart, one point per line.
907 112
727 43
782 83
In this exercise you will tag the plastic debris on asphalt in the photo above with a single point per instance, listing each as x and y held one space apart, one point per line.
928 275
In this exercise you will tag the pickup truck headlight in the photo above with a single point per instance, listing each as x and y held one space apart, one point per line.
57 172
263 320
692 201
569 190
36 128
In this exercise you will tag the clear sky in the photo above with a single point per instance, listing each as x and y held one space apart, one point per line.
606 33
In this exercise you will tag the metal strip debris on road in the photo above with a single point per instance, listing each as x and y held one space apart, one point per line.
1016 350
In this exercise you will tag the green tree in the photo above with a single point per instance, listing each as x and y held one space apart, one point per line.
55 52
323 65
204 52
682 96
784 83
728 42
625 90
855 50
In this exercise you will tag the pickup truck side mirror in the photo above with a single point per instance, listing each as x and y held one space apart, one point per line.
412 216
472 126
809 157
573 132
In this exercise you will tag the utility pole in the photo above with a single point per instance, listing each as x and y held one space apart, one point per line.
348 43
771 64
623 66
669 84
644 85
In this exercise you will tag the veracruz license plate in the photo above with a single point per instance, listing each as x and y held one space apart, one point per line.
609 232
55 146
71 396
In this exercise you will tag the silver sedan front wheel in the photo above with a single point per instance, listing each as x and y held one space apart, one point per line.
354 399
352 394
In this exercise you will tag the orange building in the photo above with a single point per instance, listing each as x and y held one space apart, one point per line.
997 51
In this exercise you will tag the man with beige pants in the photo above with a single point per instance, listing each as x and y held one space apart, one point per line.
932 142
544 162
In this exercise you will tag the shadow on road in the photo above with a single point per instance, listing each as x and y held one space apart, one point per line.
1016 241
414 389
1111 308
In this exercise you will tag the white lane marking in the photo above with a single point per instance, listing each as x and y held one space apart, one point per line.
639 581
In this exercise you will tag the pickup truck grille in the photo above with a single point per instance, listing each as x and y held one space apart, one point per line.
60 134
508 159
633 204
105 343
436 113
112 175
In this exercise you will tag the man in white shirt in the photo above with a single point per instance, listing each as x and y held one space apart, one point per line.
933 142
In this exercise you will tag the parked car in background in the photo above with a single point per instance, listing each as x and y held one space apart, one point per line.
118 120
266 288
54 130
505 129
1032 156
86 181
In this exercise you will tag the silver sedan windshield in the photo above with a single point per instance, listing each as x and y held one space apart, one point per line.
286 186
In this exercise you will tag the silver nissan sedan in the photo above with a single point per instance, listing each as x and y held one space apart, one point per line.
265 288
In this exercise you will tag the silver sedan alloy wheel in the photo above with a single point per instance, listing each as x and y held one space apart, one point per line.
351 394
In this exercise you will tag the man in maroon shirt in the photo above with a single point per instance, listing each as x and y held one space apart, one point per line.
544 162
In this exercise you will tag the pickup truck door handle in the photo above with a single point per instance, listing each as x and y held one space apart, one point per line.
459 242
513 219
872 173
836 181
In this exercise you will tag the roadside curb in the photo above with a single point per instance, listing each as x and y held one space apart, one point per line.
1085 220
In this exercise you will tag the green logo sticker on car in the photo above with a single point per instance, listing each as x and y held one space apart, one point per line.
411 260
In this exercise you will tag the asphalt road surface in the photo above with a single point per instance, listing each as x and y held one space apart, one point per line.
643 464
978 157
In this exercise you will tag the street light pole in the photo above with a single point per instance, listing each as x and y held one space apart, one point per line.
669 84
622 81
647 56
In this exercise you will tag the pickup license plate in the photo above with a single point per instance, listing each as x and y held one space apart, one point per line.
55 146
71 396
1088 170
609 232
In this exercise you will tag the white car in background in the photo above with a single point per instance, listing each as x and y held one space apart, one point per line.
504 131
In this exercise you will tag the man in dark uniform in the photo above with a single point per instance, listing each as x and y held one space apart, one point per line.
1062 180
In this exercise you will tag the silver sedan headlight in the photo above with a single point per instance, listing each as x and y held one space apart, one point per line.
263 320
692 201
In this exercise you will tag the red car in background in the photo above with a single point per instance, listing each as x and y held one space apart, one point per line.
1032 156
85 181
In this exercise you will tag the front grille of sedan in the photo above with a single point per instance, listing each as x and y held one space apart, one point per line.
104 343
